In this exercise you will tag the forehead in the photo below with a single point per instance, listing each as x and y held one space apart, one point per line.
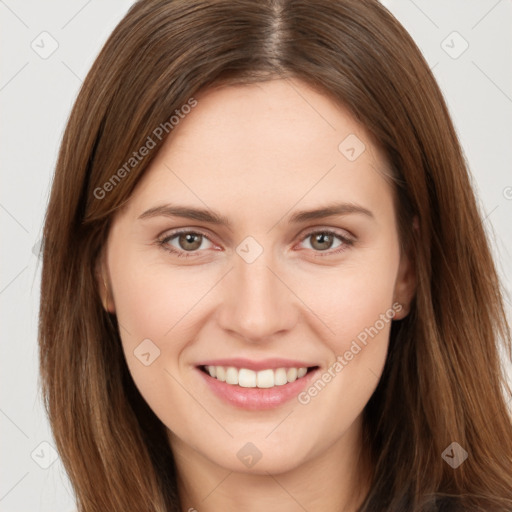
277 115
247 145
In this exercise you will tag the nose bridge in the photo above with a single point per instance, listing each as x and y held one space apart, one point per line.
257 304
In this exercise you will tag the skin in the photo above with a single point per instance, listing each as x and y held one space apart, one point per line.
256 154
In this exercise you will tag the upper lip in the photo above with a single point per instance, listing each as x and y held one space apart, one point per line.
264 364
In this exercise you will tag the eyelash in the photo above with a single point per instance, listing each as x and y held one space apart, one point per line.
163 242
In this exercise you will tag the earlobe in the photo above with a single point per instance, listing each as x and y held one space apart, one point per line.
405 284
405 288
104 289
108 304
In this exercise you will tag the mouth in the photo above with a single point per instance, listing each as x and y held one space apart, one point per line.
261 379
256 390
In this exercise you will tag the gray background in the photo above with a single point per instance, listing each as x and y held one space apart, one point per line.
37 90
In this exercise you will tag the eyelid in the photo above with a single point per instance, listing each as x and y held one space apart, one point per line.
163 240
346 238
342 233
179 231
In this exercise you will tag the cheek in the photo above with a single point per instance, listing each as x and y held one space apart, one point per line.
156 307
352 297
152 298
358 312
355 303
153 306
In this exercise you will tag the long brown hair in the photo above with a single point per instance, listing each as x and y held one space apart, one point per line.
442 381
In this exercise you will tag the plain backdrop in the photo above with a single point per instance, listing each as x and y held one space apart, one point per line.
47 49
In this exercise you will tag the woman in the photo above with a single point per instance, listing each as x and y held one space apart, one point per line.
266 283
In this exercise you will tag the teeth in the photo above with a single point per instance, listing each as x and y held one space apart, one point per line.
280 377
219 371
246 378
251 379
231 375
291 374
264 379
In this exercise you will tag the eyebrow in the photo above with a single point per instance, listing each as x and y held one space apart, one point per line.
330 211
201 214
212 217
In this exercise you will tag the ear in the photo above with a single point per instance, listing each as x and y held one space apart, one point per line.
405 284
103 284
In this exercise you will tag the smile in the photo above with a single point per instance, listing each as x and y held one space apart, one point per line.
246 378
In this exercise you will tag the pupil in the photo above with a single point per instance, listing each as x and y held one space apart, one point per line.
323 239
190 241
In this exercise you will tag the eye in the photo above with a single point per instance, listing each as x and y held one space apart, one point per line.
191 243
326 240
183 242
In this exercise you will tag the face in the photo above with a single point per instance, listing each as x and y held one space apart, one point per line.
262 240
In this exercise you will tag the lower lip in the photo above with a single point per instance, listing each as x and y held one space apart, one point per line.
257 398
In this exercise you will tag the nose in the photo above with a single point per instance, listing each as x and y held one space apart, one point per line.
257 302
